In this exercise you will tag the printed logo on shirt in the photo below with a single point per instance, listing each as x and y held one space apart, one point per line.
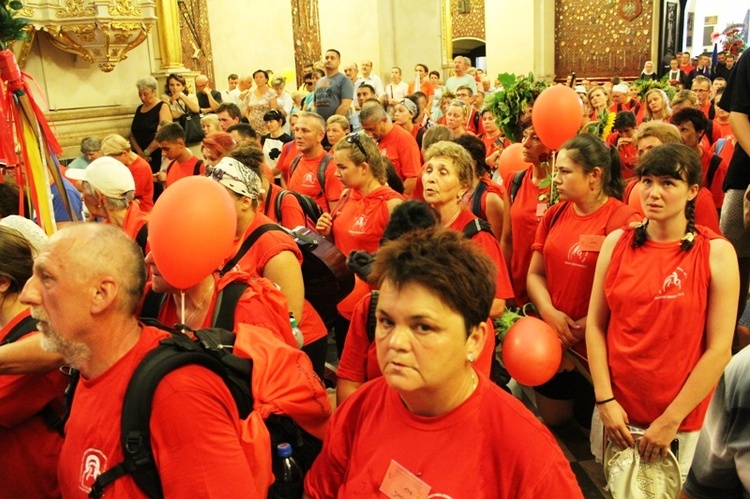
576 257
308 180
672 286
358 227
93 464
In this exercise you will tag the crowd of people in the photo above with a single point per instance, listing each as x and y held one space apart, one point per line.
630 244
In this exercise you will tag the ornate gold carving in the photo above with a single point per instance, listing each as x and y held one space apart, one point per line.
306 26
75 8
124 8
446 21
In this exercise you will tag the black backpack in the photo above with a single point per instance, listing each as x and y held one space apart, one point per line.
325 274
48 414
515 184
308 203
309 207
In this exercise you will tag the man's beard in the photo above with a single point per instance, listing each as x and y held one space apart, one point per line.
74 353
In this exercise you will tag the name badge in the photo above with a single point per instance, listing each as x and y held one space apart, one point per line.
400 483
591 243
540 209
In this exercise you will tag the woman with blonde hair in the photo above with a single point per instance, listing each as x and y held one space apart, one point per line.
456 114
117 147
337 127
210 124
657 106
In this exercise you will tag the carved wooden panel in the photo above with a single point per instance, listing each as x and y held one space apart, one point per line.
468 24
306 31
202 60
595 39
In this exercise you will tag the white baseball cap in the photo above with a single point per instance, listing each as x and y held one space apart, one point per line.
106 175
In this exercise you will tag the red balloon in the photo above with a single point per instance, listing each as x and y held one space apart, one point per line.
556 115
191 230
532 353
511 160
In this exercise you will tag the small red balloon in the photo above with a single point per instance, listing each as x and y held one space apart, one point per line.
191 230
556 115
511 160
532 353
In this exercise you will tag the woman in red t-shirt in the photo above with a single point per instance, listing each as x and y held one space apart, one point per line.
662 313
485 199
456 115
406 115
528 202
568 239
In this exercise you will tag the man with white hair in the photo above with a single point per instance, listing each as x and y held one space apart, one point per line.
460 66
86 286
208 98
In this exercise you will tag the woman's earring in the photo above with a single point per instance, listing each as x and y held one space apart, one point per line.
470 358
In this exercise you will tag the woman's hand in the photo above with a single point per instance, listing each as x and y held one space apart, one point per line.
615 421
563 325
324 224
657 439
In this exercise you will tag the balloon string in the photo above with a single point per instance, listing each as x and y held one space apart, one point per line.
182 306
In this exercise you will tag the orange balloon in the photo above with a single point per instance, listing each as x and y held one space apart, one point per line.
511 160
532 353
191 230
556 115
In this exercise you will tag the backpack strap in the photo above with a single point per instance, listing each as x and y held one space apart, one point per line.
476 226
322 172
371 321
197 167
142 238
25 326
152 304
712 167
135 431
476 199
277 205
246 244
226 304
295 163
169 166
515 184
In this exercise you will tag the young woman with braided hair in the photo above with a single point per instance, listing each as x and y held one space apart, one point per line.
662 311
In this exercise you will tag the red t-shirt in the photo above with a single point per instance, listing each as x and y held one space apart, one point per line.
490 247
291 212
288 153
568 266
425 87
489 446
401 148
135 219
176 171
144 183
262 304
186 399
360 222
525 214
266 247
658 300
29 449
305 181
721 130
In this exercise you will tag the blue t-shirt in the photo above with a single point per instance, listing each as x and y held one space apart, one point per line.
74 197
330 91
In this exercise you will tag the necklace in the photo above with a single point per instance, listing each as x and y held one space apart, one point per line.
200 305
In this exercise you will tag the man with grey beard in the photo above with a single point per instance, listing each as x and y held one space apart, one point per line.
87 284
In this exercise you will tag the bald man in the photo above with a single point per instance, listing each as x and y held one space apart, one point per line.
208 98
86 286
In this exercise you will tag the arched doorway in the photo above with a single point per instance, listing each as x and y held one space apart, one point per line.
473 48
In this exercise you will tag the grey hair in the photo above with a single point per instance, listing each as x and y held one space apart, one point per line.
90 144
113 204
147 82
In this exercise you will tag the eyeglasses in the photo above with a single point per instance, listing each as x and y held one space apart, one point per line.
218 174
353 138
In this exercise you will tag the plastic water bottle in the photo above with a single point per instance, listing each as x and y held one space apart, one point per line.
296 331
290 472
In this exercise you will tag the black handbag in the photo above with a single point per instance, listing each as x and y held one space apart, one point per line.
191 123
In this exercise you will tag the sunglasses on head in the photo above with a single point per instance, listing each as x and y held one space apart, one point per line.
218 174
353 138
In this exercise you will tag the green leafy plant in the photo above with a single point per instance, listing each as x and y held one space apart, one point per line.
514 101
509 317
11 25
643 86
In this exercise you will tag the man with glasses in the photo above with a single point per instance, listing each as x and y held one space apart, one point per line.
371 79
313 165
702 88
460 65
473 123
208 98
395 143
183 163
334 92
